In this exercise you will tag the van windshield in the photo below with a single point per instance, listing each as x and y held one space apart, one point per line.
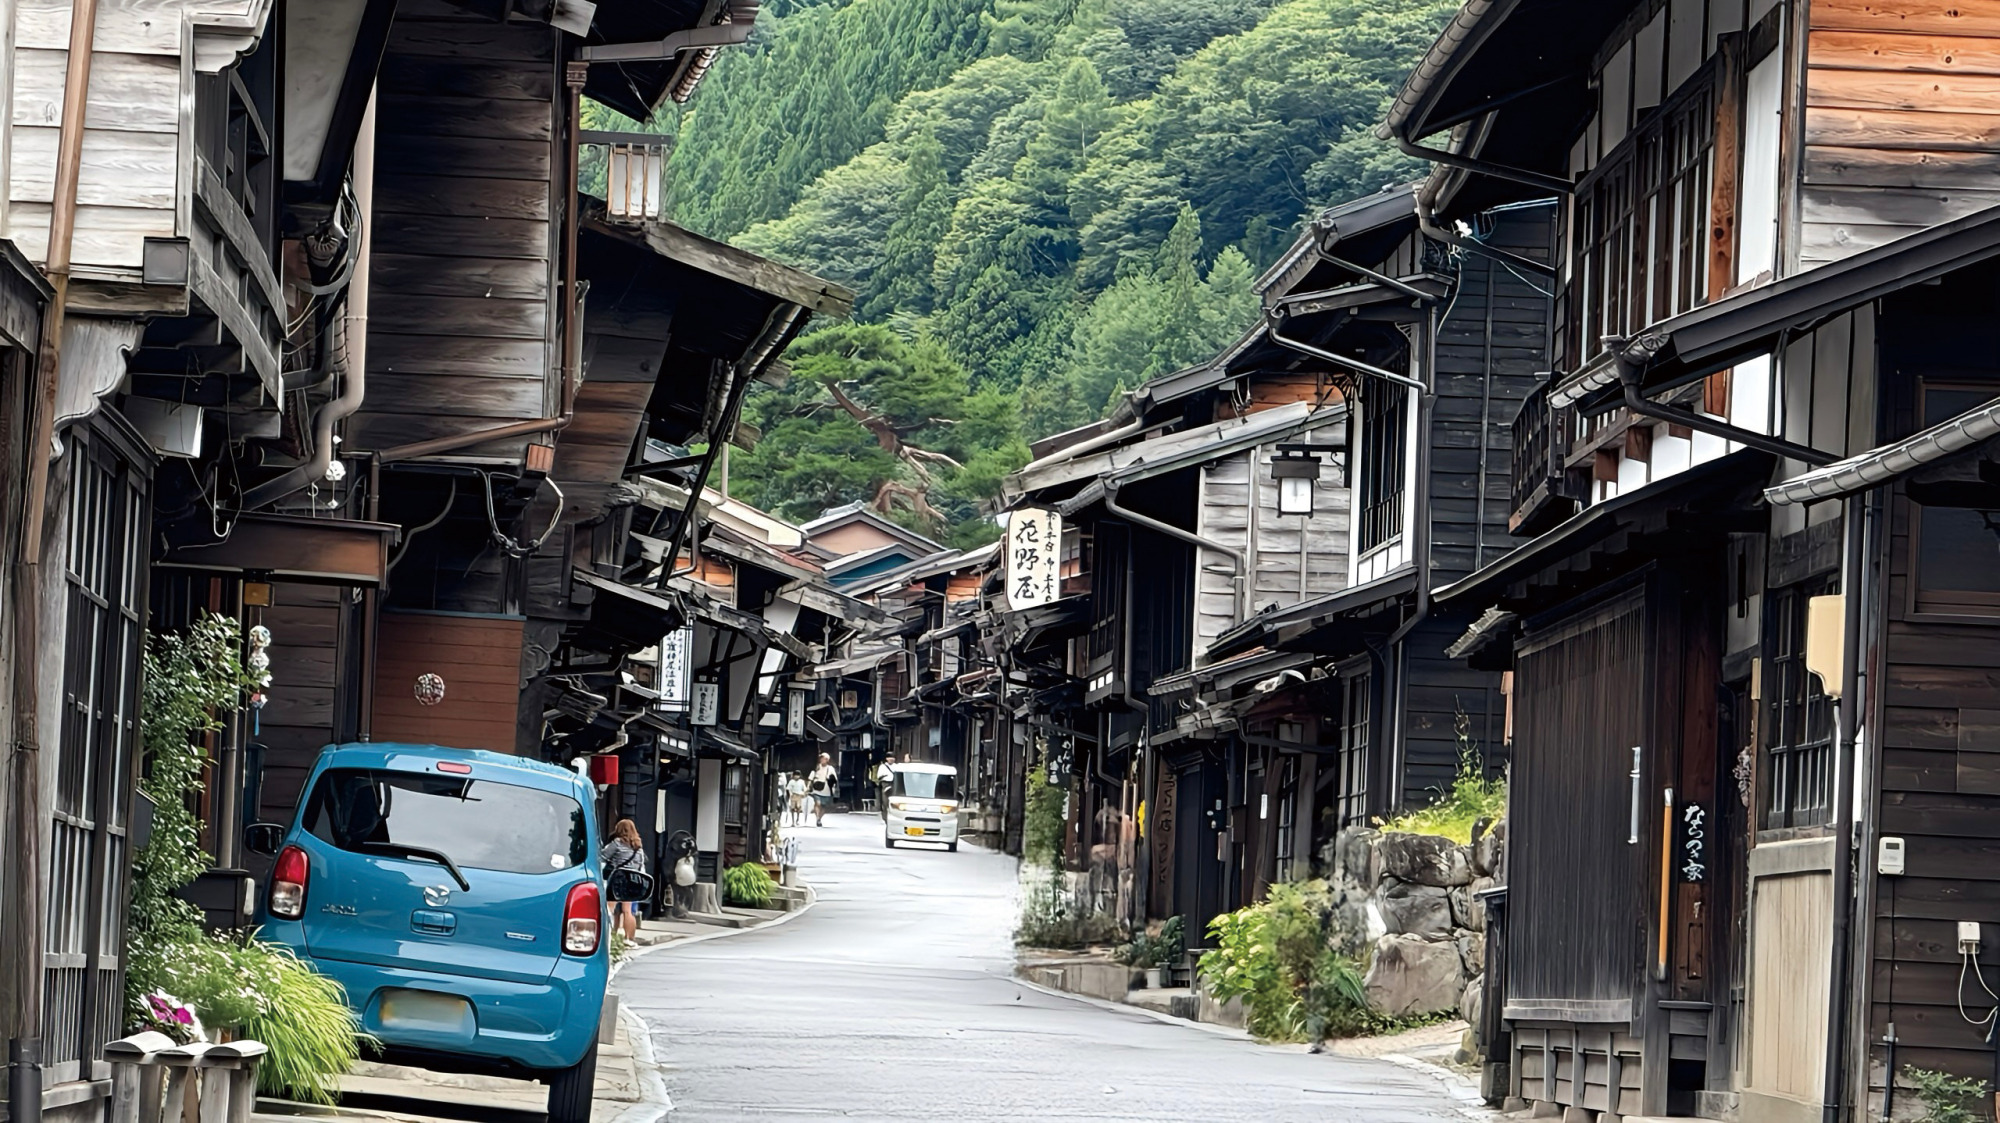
926 785
481 824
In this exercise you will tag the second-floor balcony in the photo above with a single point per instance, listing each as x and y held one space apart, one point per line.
1543 494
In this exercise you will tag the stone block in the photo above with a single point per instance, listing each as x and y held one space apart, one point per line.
1472 1000
1412 975
1425 859
1423 910
1475 909
1471 951
1462 905
1357 858
1486 852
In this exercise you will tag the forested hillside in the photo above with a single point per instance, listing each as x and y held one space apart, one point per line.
1041 202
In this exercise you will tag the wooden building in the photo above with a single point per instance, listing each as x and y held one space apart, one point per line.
1772 276
1179 538
190 250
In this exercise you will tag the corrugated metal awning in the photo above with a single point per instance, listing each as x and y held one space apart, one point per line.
1891 461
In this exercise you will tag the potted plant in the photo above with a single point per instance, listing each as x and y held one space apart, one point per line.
1169 950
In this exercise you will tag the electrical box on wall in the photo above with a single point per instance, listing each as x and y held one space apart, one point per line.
1889 856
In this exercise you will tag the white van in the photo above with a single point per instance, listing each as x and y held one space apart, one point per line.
923 805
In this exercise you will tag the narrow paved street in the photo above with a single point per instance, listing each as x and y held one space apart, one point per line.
892 999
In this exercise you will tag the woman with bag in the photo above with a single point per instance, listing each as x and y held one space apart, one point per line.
625 851
825 784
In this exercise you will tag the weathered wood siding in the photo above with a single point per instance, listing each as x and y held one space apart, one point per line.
1902 123
1575 883
479 658
1291 558
1492 349
1936 716
138 152
299 720
463 328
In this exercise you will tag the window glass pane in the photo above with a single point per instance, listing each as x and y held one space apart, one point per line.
1958 550
478 823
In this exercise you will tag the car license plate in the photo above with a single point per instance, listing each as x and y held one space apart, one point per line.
913 830
423 1009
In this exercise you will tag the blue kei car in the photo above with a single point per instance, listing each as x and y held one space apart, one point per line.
456 895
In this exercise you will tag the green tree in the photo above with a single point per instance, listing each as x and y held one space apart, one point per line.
903 281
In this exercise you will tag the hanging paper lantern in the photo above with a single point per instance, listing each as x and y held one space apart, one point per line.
430 689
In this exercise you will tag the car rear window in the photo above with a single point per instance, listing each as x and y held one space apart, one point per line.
482 824
926 785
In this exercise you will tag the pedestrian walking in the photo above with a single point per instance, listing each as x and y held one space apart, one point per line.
825 784
795 799
625 851
885 782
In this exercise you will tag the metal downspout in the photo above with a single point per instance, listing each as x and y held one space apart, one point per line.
776 332
1638 403
1239 562
1848 715
1465 163
354 336
23 923
1352 364
574 76
1420 540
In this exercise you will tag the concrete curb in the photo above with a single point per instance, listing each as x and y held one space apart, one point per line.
1464 1095
1230 1032
654 1103
1456 1086
812 898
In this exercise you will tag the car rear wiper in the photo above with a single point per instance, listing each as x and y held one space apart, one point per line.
407 851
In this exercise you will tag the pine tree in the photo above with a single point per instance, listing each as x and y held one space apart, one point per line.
903 281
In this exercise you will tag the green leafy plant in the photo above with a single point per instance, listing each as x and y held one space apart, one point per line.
191 679
747 886
1042 818
1472 796
1947 1098
234 981
1161 949
312 1032
1274 956
620 946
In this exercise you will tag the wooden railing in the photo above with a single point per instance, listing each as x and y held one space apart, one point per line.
1542 444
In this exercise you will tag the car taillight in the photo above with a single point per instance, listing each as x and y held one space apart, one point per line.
583 916
287 900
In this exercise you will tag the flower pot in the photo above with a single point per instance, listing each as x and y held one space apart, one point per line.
1153 978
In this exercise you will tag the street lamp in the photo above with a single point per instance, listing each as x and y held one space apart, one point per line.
1295 467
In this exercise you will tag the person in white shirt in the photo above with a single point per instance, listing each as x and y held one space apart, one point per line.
795 800
824 784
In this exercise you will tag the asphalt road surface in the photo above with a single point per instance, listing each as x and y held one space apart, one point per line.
892 999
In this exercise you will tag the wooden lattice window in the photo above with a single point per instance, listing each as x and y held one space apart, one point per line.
89 853
1641 249
1798 749
1384 425
1359 693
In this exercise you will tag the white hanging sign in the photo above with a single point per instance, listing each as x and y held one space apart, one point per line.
795 713
674 665
1034 557
707 703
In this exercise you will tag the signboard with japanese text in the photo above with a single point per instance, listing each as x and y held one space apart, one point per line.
707 709
795 713
1694 843
674 666
1033 557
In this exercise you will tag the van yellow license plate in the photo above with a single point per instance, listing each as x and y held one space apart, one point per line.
918 831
